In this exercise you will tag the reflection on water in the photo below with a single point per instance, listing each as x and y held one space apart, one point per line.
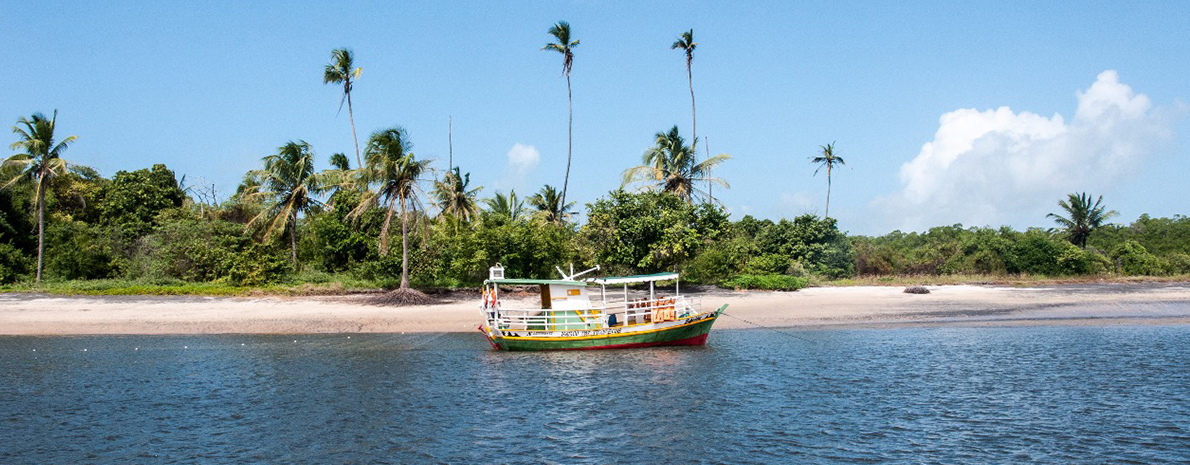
941 395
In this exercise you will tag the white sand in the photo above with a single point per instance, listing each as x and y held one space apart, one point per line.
28 314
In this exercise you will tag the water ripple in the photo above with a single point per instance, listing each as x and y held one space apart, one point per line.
941 395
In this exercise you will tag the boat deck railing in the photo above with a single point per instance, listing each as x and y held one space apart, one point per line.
600 315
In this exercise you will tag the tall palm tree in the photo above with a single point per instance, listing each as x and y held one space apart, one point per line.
40 162
289 180
827 159
1083 217
342 70
687 44
565 46
506 208
454 196
395 172
548 205
672 166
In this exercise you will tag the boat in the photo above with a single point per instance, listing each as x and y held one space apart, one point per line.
593 313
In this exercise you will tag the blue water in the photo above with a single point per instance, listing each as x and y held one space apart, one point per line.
1115 394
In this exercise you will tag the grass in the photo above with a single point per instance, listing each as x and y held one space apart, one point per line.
1017 280
298 285
766 282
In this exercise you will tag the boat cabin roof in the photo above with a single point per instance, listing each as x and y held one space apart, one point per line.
640 278
511 281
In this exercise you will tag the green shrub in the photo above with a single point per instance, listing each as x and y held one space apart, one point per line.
770 282
1179 263
1133 259
710 267
77 250
767 264
13 263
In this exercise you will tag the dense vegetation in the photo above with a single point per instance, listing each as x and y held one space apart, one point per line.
145 231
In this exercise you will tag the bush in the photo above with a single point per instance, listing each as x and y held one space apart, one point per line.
650 231
1133 259
767 264
1179 263
13 263
766 282
190 249
77 250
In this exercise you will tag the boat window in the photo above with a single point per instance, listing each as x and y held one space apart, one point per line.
545 296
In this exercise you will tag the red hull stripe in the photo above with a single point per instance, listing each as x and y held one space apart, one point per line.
690 341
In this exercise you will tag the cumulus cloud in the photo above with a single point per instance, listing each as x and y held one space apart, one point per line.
522 159
996 167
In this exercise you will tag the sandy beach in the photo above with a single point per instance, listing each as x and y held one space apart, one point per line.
33 314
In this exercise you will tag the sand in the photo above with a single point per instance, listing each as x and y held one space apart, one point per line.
1098 304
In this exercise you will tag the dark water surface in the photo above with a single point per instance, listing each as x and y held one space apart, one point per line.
1113 394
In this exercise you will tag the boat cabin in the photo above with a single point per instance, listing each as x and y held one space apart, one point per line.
591 304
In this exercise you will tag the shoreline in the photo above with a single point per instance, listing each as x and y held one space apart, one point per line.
811 308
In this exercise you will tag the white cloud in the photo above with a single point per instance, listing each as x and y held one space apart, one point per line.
522 159
997 167
795 204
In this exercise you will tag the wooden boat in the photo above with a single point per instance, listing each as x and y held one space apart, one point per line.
594 313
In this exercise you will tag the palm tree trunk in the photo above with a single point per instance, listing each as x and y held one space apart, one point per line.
293 239
569 141
693 115
404 247
828 192
40 225
351 116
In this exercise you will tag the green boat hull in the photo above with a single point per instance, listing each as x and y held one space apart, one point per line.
693 332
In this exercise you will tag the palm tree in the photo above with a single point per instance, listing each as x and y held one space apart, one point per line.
1083 217
342 70
687 44
340 162
288 178
829 160
454 197
40 163
396 173
672 166
507 208
548 205
565 46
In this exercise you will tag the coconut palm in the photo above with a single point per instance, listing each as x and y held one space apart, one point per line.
506 208
454 196
547 202
565 46
342 70
289 181
340 162
396 174
1082 218
672 166
827 159
687 44
40 162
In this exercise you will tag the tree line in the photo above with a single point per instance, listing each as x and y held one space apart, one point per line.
289 222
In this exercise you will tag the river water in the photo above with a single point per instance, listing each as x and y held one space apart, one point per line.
1060 394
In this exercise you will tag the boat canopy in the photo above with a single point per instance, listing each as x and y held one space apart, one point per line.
642 278
511 281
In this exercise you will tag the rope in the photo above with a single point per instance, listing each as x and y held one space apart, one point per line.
770 328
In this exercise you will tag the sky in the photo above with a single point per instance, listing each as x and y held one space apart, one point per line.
979 113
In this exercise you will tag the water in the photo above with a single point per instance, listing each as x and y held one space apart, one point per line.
1114 394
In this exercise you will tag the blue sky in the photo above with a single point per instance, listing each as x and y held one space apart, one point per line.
983 113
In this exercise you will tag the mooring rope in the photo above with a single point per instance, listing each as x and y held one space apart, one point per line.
770 328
